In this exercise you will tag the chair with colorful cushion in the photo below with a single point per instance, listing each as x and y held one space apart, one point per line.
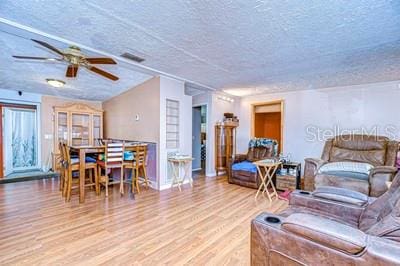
242 171
71 169
113 159
136 161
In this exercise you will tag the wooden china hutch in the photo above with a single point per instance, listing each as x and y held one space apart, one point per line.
225 145
77 125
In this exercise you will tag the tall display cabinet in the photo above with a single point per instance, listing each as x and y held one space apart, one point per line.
225 146
77 125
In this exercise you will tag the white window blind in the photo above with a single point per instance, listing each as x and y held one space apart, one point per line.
172 124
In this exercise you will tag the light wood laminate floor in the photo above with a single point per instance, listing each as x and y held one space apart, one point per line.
206 224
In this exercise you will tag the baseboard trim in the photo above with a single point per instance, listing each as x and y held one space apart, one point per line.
168 186
211 174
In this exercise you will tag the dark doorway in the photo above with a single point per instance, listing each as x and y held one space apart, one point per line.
199 129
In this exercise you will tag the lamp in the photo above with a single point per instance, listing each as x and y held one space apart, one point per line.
55 82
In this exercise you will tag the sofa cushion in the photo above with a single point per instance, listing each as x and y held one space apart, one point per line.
374 157
343 182
341 195
347 169
259 153
245 166
361 142
354 175
354 167
326 232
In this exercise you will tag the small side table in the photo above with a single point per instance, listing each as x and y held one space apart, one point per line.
180 170
266 177
289 176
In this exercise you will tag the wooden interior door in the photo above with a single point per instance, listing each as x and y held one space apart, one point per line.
268 125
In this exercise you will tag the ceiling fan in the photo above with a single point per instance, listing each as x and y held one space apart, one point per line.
75 58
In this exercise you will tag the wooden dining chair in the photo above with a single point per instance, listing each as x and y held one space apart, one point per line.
61 165
138 164
71 166
113 159
99 142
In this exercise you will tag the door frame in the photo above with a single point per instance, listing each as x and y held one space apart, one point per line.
208 144
281 102
26 105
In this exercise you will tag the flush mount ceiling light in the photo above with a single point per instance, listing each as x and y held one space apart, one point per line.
55 82
241 92
225 98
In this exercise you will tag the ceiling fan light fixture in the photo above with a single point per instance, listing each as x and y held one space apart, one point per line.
55 82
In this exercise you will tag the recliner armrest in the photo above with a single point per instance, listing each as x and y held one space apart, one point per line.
378 176
316 162
341 195
273 243
383 170
350 213
311 168
326 232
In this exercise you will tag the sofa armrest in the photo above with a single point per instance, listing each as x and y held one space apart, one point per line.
378 177
326 232
317 163
237 158
341 195
383 170
350 213
311 168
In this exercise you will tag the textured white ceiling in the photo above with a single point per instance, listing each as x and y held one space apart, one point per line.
262 45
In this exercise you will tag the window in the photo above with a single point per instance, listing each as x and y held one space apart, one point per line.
172 124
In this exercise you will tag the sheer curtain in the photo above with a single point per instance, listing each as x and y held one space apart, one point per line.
24 139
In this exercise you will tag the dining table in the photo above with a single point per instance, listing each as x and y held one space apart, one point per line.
92 149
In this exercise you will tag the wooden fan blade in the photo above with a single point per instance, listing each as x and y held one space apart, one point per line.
35 58
72 70
103 73
48 46
101 60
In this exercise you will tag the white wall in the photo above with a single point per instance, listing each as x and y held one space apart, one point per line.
13 96
174 90
120 113
350 108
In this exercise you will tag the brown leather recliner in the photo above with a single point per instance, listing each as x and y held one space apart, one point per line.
249 177
376 150
331 226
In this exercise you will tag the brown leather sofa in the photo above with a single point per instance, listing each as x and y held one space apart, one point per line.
330 226
376 150
255 152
